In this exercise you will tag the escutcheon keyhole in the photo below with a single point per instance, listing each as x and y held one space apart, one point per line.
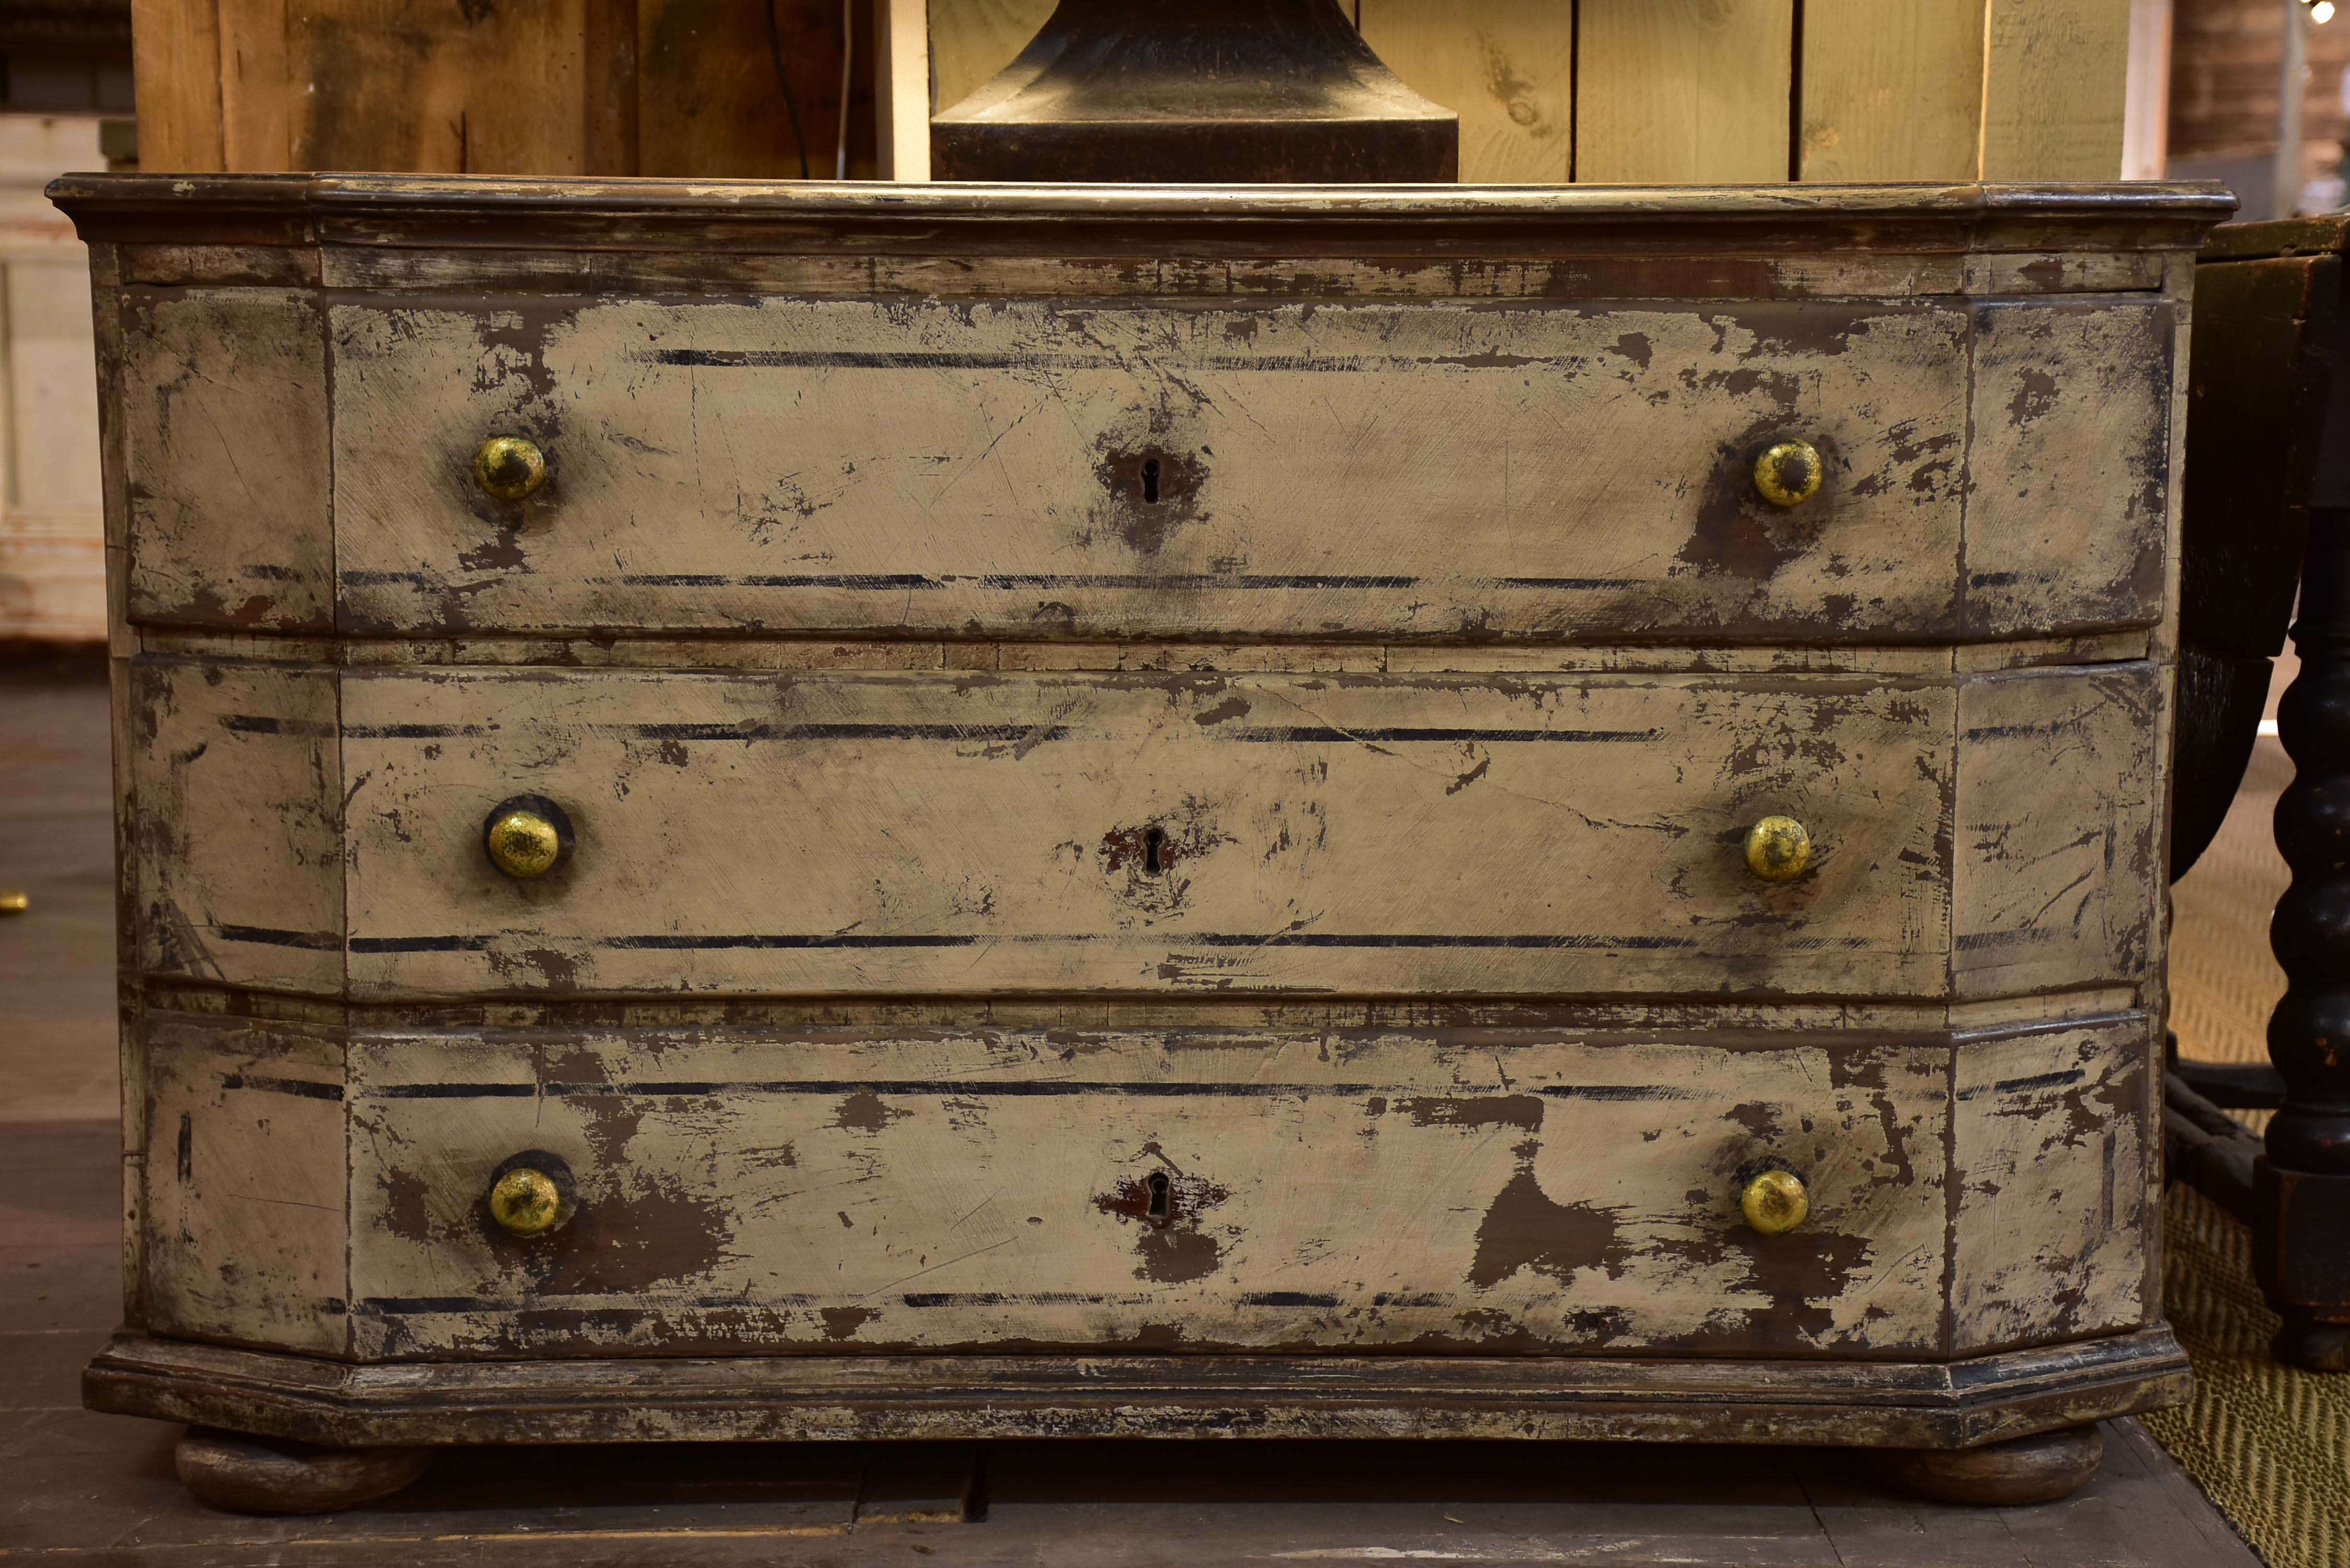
1151 485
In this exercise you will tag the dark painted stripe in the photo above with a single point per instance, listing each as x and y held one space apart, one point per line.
808 580
1022 1298
450 1092
936 359
420 944
1578 583
866 360
826 1088
274 937
844 731
1250 582
1018 580
1286 1299
2013 732
308 1091
264 724
1320 940
1326 732
2039 1081
396 1306
1614 1092
667 943
413 732
1974 940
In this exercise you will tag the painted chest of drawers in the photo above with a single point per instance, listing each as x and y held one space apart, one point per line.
1455 813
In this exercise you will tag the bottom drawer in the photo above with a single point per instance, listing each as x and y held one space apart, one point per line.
1520 1189
1480 1190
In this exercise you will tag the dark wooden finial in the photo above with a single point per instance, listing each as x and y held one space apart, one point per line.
1211 92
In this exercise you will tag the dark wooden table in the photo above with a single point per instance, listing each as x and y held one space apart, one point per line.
2267 506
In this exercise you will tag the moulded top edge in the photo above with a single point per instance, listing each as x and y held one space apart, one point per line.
389 196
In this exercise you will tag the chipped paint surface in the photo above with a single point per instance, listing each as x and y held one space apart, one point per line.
847 833
224 449
1494 1190
1503 1190
1133 803
840 833
1068 470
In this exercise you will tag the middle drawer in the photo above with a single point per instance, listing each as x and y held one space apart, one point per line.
1375 835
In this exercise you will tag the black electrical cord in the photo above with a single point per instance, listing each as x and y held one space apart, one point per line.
783 80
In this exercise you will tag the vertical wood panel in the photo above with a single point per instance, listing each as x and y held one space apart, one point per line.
608 135
709 105
970 40
1505 67
901 88
1679 91
2055 82
257 77
175 64
1892 91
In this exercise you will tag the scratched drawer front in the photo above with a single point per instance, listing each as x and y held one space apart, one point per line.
1488 1191
985 833
1319 470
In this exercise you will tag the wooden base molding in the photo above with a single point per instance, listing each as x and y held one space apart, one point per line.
1912 1405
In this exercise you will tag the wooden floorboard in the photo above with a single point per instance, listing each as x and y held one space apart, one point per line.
98 1491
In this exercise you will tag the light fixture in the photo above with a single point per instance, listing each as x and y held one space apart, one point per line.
2320 10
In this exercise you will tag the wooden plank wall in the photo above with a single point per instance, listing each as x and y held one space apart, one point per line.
1729 90
1547 90
524 87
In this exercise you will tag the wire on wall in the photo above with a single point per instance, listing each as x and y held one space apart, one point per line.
784 80
848 54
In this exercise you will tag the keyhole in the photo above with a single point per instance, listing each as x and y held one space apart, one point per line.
1150 492
1154 847
1158 1194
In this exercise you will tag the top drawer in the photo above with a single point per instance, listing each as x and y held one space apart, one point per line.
1108 470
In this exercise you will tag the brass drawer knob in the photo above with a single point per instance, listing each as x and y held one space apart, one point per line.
1778 848
1788 472
509 467
526 837
526 1201
1773 1201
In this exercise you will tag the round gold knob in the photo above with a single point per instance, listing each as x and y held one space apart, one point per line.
509 467
1788 472
1778 848
1774 1201
525 1201
526 837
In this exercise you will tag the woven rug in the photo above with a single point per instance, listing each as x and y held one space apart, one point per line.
2270 1445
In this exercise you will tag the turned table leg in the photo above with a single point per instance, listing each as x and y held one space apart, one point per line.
2302 1244
2042 1468
243 1474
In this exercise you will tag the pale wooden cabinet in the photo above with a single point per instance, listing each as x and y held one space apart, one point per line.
1244 813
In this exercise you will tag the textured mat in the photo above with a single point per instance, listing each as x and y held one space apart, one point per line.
2270 1445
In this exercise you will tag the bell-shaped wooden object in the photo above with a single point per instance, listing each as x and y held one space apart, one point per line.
1208 92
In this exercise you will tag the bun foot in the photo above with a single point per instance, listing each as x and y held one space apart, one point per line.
2038 1469
242 1474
